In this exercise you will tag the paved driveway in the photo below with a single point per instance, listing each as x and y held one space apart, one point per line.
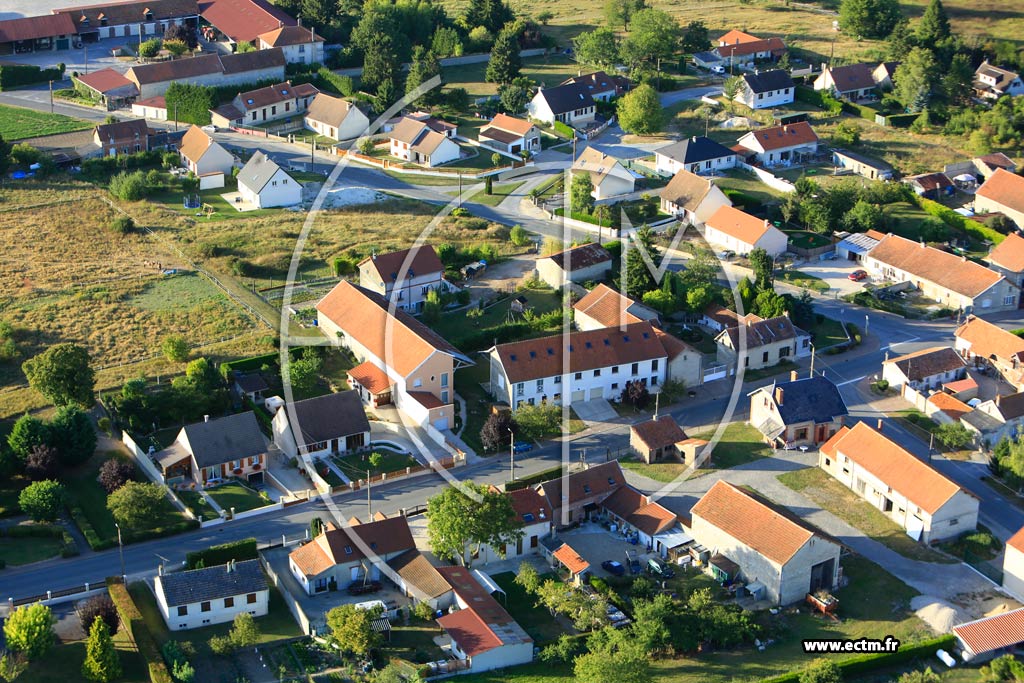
595 410
835 273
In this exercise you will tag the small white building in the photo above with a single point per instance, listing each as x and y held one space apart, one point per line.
509 134
989 637
992 82
777 554
738 231
781 145
924 370
698 155
607 175
766 89
874 169
205 157
1013 565
336 118
427 142
903 487
587 262
264 184
333 424
533 513
300 45
154 108
213 595
691 198
571 104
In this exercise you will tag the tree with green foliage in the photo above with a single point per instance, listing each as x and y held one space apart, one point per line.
175 348
539 421
635 394
424 66
492 15
318 13
514 96
42 500
701 269
618 12
580 193
304 371
821 671
769 304
613 656
28 433
177 47
846 134
505 64
695 37
12 666
900 41
137 505
377 37
639 111
446 42
953 435
527 578
763 266
598 48
462 519
698 298
652 619
190 103
519 236
431 312
869 18
654 37
5 154
863 216
731 88
149 48
129 186
28 630
62 375
958 80
101 661
350 628
934 25
639 278
915 78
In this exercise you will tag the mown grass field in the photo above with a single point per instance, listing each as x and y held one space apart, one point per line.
549 70
17 123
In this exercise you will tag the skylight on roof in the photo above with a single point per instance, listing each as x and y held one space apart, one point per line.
588 345
625 338
586 488
533 354
528 517
512 356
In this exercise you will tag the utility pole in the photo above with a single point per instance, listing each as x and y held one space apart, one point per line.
312 150
512 452
460 189
120 550
656 397
51 97
812 359
369 501
866 321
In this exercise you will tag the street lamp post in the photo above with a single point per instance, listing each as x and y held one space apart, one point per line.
120 550
512 452
866 321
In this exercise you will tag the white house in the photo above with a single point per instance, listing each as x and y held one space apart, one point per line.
336 118
333 424
1002 192
698 155
427 142
852 82
205 157
1013 565
301 45
587 262
571 104
264 184
926 369
483 635
992 82
903 487
278 102
154 108
212 451
414 363
405 277
607 175
636 513
213 595
777 554
601 364
730 228
533 514
743 49
874 169
781 145
766 89
987 345
509 134
768 341
691 198
801 412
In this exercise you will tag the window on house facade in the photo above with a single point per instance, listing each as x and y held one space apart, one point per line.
204 606
250 598
183 611
540 385
444 397
764 357
229 602
578 375
597 373
654 381
783 352
615 369
654 364
417 382
520 389
444 379
558 379
635 369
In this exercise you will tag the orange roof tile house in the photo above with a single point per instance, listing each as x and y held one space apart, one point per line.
509 134
903 487
1003 193
1007 258
988 345
730 228
780 557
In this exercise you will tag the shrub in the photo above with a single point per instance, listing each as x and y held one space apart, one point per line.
99 607
14 75
115 473
122 225
41 500
148 49
129 187
244 549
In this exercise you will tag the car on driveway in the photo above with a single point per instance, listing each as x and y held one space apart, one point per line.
522 447
858 275
209 128
614 568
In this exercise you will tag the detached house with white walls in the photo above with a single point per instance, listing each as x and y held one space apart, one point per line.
571 104
781 145
992 82
691 198
769 342
730 228
424 141
533 515
402 357
212 595
1002 192
264 184
510 134
333 424
851 82
214 451
279 102
336 118
601 364
902 486
300 45
608 177
404 277
696 154
1013 565
205 157
766 89
985 345
924 370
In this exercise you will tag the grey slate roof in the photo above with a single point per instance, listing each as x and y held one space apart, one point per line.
695 150
329 417
766 81
258 171
213 583
564 98
809 399
227 438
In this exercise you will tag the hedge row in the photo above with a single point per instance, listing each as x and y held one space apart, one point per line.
484 339
97 543
248 364
343 84
100 169
132 620
244 549
900 120
160 531
14 75
85 526
865 663
865 112
538 478
955 220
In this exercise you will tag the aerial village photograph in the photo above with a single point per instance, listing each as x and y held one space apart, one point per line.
596 341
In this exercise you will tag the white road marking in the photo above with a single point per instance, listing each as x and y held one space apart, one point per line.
851 381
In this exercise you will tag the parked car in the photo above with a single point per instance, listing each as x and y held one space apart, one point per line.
858 275
718 69
209 128
522 447
360 587
656 567
614 568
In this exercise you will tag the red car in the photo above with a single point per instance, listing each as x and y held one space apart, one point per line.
858 275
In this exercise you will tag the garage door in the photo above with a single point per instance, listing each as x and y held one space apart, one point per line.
579 396
597 393
441 425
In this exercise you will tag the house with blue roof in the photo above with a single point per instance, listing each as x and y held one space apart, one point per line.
800 412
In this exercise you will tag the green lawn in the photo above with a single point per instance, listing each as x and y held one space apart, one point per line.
805 280
17 123
455 326
980 544
804 239
222 210
740 443
537 621
904 219
498 194
480 159
25 550
699 339
196 503
234 495
82 488
10 489
770 371
415 638
827 333
355 465
845 504
748 184
549 71
467 385
63 663
414 179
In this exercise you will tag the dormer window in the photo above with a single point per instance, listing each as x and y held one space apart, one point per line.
84 20
147 14
103 20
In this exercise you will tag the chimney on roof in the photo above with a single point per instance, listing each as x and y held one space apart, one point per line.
792 375
280 24
922 243
693 139
778 395
880 424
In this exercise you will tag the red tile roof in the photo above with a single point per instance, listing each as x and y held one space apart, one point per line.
659 433
244 20
470 632
788 135
1004 188
773 45
953 407
992 633
597 481
509 124
571 559
487 625
739 224
88 17
927 362
419 260
637 509
607 306
339 546
1009 253
990 341
105 80
735 37
157 101
290 35
946 270
894 466
370 377
775 533
530 507
930 181
30 28
1017 540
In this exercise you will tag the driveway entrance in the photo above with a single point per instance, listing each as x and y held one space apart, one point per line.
595 410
